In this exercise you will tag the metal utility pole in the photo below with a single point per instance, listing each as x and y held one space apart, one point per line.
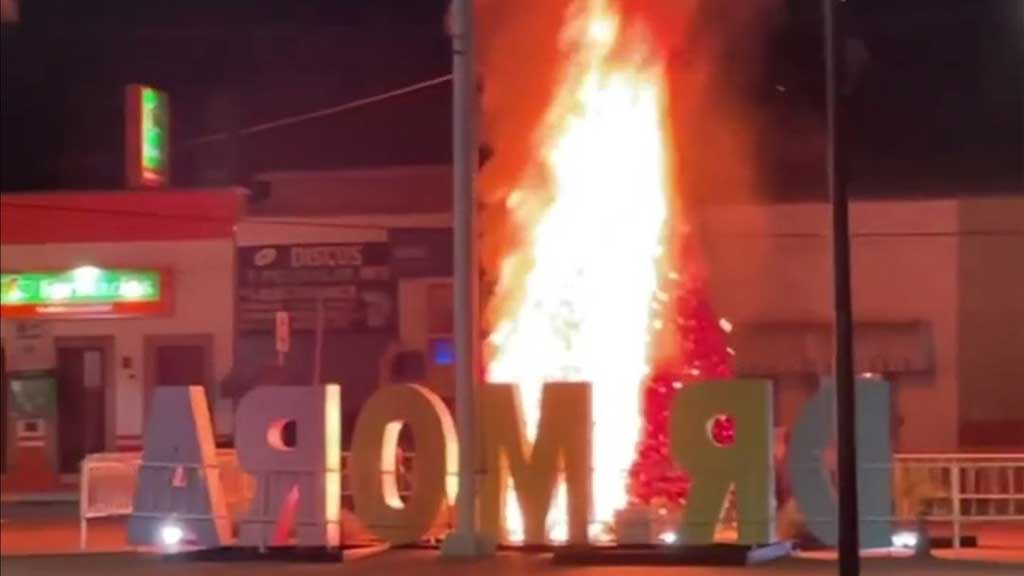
465 541
835 77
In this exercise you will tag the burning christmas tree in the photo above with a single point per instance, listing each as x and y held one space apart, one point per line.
607 118
701 354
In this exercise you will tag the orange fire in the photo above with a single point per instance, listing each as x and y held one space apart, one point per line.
592 210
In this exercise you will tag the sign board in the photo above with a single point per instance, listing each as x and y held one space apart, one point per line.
85 292
282 332
31 346
354 281
147 155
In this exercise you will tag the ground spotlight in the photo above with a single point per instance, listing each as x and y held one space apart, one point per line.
905 539
668 537
171 535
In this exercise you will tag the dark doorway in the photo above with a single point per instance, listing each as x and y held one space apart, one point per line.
181 365
179 360
81 405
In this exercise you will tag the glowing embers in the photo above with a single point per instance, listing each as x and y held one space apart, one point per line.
593 216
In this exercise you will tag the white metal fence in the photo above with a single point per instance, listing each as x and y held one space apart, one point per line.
960 488
950 488
107 485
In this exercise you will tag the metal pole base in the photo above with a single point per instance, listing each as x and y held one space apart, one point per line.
462 545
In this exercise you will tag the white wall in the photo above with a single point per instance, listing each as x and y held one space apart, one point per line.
202 276
774 264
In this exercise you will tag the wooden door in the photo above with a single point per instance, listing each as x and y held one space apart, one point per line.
81 405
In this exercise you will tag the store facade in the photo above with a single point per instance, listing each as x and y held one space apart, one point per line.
360 261
106 296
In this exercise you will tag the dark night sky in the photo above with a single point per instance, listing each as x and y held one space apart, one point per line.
938 106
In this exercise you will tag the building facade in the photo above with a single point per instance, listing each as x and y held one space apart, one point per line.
360 262
106 296
937 288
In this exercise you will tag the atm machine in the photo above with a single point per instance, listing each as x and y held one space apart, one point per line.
31 426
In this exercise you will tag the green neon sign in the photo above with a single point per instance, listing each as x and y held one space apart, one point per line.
154 130
85 285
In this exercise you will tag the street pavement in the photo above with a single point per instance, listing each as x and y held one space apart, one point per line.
44 541
427 563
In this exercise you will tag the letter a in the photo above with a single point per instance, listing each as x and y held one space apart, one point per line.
179 480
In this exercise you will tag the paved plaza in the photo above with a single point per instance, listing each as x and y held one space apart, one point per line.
43 541
427 563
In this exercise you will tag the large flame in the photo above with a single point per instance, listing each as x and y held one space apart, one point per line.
592 212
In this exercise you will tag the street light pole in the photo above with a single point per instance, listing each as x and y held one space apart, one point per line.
465 541
835 72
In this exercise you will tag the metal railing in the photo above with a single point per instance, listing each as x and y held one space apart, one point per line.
960 488
107 485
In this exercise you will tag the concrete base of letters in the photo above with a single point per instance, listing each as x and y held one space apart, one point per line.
664 555
467 545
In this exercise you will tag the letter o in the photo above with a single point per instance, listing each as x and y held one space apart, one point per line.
374 444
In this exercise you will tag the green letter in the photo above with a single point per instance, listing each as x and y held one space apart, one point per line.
745 464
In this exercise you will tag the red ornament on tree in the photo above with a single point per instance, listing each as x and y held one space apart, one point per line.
722 430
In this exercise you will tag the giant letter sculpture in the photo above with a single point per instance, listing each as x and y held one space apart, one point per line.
295 485
812 487
745 464
561 446
178 480
374 447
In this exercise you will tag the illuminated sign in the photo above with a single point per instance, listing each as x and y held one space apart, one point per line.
85 292
147 137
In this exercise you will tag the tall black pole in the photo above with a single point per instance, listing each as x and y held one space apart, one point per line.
835 73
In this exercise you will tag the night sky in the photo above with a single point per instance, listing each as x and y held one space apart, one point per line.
937 109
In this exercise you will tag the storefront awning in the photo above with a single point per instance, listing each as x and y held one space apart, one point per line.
776 348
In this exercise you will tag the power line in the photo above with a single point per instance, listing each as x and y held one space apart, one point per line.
323 112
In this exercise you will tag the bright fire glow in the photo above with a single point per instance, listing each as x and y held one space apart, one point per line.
594 223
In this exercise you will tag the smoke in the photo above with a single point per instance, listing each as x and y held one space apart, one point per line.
713 51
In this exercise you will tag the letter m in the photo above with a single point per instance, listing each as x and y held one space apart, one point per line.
561 448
